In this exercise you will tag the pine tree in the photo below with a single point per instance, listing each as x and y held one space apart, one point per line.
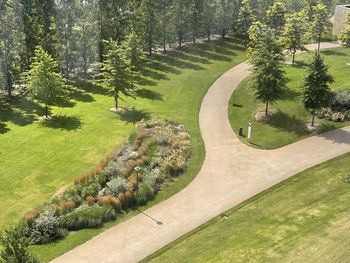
116 75
344 36
293 33
269 78
43 79
316 91
133 52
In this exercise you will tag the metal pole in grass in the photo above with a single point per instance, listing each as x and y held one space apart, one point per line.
250 129
137 169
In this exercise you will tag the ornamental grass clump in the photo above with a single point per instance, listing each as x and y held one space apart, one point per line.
87 217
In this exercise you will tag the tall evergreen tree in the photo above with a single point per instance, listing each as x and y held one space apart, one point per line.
116 74
268 75
316 91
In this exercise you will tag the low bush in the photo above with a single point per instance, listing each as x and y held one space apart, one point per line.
117 185
14 246
144 194
90 190
339 110
44 228
87 217
154 178
341 100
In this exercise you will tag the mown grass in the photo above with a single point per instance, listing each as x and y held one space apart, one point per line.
36 160
304 219
288 122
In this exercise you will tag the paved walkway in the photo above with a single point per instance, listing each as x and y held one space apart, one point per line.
231 173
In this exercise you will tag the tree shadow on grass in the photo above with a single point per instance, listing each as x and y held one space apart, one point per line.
285 122
149 94
329 52
144 81
173 60
19 111
149 71
133 115
3 128
64 102
290 94
299 64
63 122
90 87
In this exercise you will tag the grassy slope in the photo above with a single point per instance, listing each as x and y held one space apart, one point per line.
305 219
36 160
287 125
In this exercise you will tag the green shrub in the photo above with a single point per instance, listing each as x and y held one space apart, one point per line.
341 101
87 217
145 193
154 178
14 246
44 228
117 185
73 193
90 190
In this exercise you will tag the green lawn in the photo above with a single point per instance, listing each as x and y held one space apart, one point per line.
288 123
304 219
37 160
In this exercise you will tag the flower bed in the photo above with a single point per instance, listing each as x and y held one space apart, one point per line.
339 110
130 176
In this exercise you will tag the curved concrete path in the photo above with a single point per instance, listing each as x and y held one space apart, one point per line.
231 173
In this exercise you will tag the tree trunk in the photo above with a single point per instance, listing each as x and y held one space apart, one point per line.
313 119
209 21
46 111
319 44
116 102
164 29
150 37
267 108
293 60
194 25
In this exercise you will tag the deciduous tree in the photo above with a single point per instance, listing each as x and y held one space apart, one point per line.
245 19
293 33
344 36
276 15
320 22
43 78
